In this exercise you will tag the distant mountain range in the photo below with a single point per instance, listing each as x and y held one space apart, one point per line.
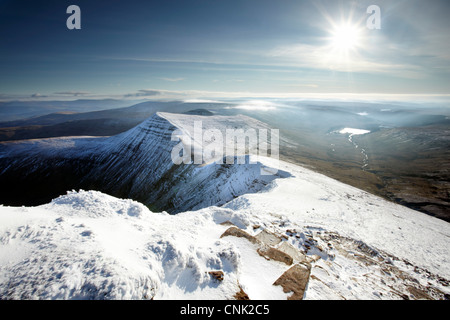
95 123
16 110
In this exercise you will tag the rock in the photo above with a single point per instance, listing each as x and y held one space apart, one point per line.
241 295
313 258
275 254
268 238
217 275
419 294
295 280
227 223
289 249
264 249
236 232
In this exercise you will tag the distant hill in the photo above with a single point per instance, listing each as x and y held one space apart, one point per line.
16 110
95 123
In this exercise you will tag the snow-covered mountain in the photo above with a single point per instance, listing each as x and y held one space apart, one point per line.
136 164
297 234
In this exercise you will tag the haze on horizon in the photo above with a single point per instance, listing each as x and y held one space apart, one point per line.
206 49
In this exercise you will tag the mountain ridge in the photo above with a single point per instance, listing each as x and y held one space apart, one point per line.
135 164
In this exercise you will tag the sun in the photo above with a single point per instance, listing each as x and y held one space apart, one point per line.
345 37
344 43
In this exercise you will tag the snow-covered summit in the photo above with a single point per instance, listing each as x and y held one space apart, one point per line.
136 164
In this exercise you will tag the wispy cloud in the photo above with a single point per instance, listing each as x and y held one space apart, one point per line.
38 95
172 79
192 95
307 85
73 93
322 57
145 93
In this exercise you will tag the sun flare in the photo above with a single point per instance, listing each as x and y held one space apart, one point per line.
345 37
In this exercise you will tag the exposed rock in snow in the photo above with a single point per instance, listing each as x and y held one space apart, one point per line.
295 280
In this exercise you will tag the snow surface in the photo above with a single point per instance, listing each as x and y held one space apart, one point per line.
309 198
89 245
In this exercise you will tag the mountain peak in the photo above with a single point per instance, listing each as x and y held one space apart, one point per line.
139 164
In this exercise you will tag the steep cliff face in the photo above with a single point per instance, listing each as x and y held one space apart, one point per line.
136 164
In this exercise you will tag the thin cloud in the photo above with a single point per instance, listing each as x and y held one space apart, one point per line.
38 95
172 79
144 93
320 57
308 85
73 93
188 95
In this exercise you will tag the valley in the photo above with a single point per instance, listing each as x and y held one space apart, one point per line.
404 157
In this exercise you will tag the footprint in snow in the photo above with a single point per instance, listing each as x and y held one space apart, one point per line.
86 233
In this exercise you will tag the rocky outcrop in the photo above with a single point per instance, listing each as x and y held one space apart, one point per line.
295 280
236 232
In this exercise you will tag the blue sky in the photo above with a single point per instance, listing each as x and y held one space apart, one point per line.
156 49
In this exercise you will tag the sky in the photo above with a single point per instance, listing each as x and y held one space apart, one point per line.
206 49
